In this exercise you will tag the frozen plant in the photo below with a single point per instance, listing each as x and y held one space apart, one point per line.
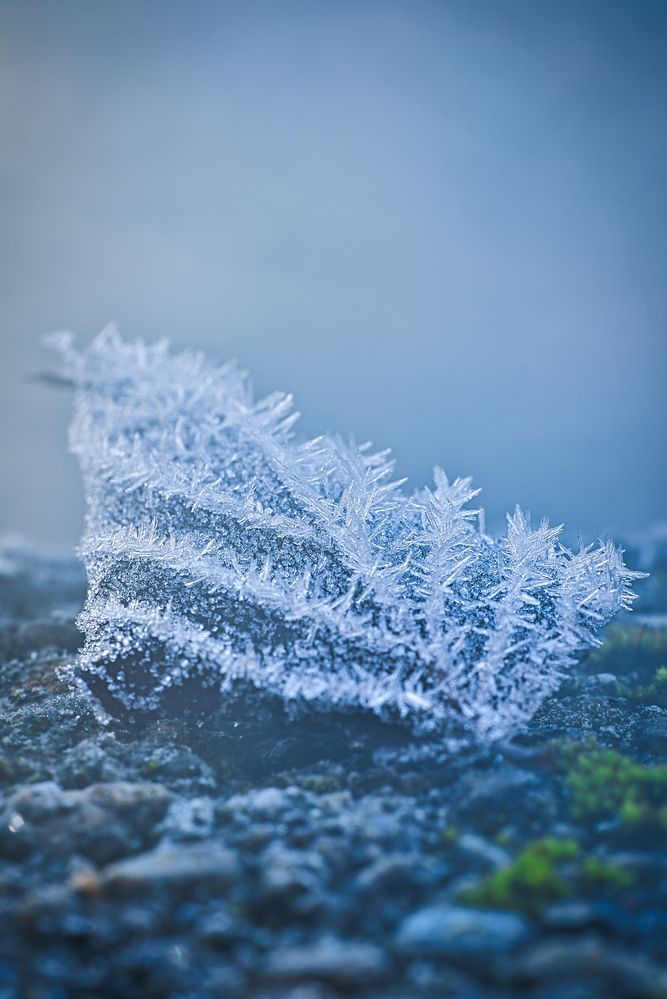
219 546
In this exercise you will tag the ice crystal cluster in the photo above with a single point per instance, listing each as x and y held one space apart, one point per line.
219 546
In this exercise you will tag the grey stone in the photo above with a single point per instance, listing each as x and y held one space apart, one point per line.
290 879
40 802
453 931
88 763
188 819
221 928
569 915
143 801
606 679
480 848
340 962
177 762
586 957
267 802
174 866
399 871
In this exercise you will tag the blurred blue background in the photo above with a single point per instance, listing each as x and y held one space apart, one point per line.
441 225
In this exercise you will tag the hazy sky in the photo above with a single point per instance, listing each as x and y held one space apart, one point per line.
441 225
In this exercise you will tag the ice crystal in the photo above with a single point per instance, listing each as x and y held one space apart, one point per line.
218 545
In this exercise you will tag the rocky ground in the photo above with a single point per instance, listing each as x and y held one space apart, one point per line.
243 854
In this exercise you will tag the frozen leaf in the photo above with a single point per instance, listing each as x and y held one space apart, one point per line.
219 546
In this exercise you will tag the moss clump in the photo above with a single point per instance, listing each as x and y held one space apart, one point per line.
602 874
532 881
605 784
546 871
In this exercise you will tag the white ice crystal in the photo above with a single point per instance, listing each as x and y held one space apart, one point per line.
217 545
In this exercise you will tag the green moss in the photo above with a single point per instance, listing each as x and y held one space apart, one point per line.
545 871
532 881
605 784
601 874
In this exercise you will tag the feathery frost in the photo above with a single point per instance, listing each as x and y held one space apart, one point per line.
218 546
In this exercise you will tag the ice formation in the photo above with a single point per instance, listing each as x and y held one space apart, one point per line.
218 545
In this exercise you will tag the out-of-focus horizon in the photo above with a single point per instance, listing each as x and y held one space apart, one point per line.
442 226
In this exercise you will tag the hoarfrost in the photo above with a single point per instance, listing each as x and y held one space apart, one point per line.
219 546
